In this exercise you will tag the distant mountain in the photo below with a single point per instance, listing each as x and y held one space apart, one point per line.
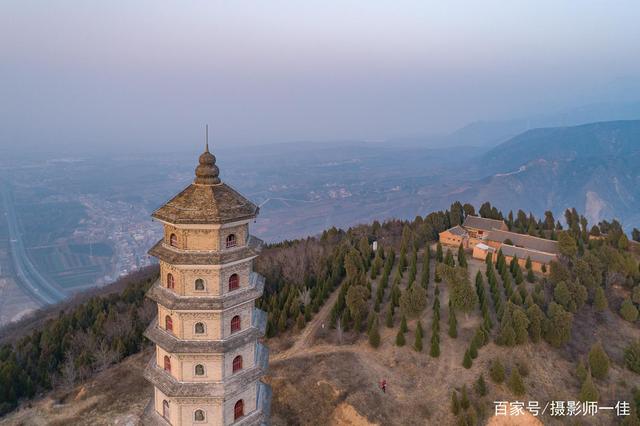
594 167
491 133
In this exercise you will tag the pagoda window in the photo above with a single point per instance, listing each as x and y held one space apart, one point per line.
198 416
199 370
238 410
173 240
167 363
168 323
235 324
199 285
231 240
165 409
234 282
171 282
199 328
237 363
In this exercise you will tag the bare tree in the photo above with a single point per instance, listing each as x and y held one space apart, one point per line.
104 356
69 371
339 330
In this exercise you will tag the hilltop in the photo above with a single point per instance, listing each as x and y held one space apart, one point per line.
337 309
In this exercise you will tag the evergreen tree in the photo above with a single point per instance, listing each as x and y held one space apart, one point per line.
455 404
389 318
439 254
473 349
374 334
464 398
588 391
496 371
403 325
600 300
435 346
462 258
467 361
598 361
453 323
448 259
515 382
400 339
632 356
418 343
481 386
581 370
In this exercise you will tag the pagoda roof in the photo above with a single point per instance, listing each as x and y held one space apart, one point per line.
203 204
207 200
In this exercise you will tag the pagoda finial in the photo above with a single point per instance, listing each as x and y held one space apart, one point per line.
206 138
207 172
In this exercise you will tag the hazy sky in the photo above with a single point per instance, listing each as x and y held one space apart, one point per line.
129 73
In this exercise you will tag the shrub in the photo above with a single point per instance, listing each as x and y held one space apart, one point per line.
628 311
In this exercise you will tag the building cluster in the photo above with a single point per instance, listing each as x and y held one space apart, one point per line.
483 236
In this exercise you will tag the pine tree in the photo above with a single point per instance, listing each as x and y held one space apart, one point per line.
473 349
598 361
389 318
464 398
439 254
374 334
581 370
481 386
496 371
467 361
455 405
403 325
418 343
462 258
400 339
435 346
588 391
515 382
453 323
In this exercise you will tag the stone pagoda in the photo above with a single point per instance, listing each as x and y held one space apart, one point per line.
208 361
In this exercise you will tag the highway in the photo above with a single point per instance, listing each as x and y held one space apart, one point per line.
32 281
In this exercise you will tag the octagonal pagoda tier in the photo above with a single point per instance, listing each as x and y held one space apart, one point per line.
208 362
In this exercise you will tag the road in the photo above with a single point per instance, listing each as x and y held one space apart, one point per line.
33 282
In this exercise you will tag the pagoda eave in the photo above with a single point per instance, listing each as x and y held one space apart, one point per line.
176 257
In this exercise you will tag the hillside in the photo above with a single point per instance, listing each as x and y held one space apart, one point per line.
340 338
594 167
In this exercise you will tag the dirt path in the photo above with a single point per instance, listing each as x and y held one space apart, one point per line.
304 340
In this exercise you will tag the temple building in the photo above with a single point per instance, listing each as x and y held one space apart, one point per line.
483 236
208 362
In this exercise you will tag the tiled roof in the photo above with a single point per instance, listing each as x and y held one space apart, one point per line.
522 240
478 222
458 230
523 253
206 204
